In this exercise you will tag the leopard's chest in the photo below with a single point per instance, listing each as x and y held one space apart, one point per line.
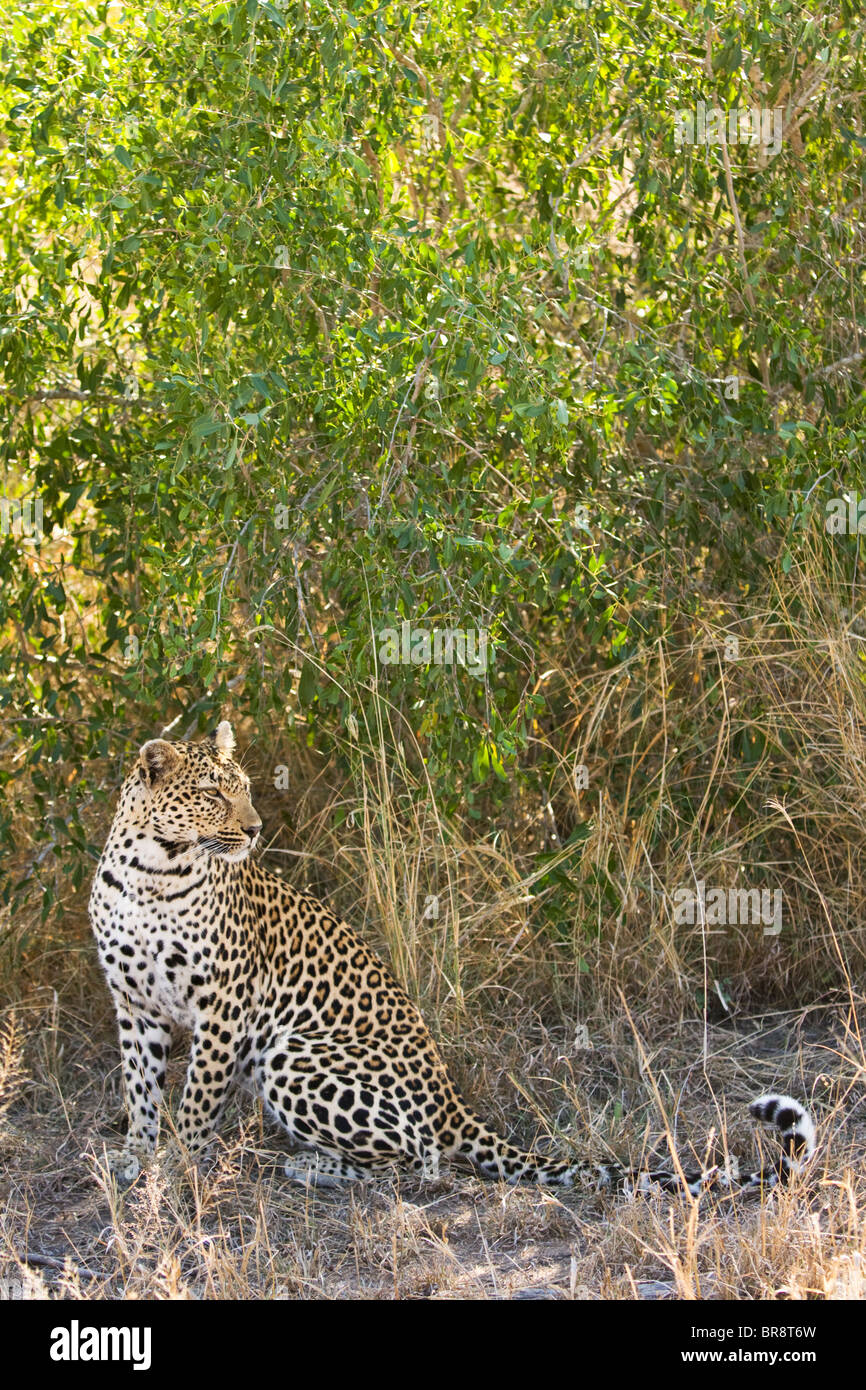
159 949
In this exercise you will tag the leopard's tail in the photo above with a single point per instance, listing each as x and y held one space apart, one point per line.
496 1158
797 1134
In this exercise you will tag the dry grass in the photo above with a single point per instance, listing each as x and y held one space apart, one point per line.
515 974
239 1230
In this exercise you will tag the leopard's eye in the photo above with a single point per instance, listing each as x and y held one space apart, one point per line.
214 793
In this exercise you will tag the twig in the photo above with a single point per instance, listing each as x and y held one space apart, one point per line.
838 366
738 226
815 484
66 393
52 1262
227 570
302 608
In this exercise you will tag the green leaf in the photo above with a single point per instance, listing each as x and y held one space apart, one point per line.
307 684
205 425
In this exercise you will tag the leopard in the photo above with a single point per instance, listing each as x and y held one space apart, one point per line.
283 998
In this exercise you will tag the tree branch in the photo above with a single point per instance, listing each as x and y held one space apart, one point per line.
67 393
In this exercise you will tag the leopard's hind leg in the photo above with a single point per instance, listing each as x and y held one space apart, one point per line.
346 1102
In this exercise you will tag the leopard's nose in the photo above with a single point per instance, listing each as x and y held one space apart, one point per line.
253 830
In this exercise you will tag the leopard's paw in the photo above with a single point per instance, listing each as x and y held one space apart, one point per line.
124 1165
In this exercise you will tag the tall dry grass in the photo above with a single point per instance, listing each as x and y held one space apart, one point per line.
573 1009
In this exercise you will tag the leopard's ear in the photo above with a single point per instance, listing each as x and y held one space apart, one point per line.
157 761
224 739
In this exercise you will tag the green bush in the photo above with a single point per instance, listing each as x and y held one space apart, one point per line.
317 320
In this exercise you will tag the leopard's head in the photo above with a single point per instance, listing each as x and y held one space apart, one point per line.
196 794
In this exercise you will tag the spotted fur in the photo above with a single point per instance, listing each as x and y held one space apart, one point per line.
283 997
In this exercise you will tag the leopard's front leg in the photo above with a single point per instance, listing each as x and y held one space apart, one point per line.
212 1066
145 1042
